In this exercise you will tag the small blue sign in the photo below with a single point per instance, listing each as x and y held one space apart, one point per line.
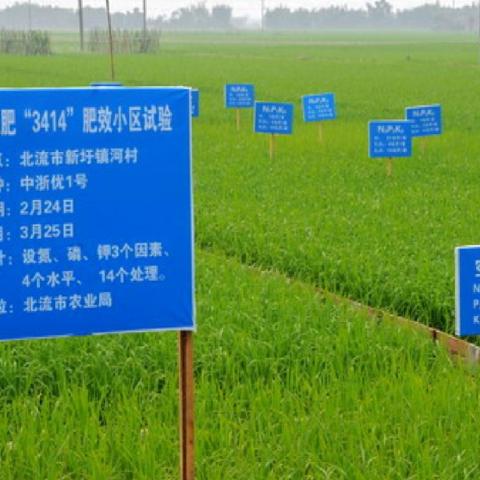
389 139
467 290
96 222
239 95
195 102
275 118
426 120
318 108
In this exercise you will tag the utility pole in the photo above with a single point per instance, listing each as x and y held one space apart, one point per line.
110 38
478 20
80 23
144 23
262 14
145 17
29 15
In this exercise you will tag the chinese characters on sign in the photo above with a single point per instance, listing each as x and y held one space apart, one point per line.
318 108
274 118
239 95
95 211
426 120
467 290
389 139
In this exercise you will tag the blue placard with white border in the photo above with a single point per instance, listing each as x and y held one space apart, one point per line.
467 290
426 120
195 103
96 219
274 118
389 139
319 107
239 95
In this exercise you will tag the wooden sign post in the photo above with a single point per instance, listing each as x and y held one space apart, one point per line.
389 139
272 146
320 133
187 400
318 108
423 145
273 118
389 167
239 96
426 122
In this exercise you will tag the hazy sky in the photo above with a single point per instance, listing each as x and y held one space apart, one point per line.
241 7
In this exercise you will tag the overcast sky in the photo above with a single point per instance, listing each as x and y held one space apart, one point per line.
241 7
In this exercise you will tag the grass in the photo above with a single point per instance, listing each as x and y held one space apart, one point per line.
297 389
288 385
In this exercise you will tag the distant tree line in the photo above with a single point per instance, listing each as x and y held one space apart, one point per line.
379 14
23 16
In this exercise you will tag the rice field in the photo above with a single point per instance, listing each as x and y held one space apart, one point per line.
289 385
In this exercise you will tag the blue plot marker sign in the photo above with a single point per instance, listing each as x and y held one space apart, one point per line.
195 102
318 108
426 120
467 290
96 219
389 139
274 118
239 95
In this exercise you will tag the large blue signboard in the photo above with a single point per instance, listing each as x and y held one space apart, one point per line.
467 290
195 103
426 120
389 139
240 95
95 211
275 118
318 108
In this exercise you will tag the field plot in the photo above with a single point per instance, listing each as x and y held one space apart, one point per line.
289 386
324 213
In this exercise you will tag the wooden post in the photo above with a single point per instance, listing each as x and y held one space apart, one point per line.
272 146
389 167
187 414
320 132
80 25
238 119
110 39
145 24
423 144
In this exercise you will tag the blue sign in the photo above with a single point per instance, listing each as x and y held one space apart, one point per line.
467 290
426 120
318 108
96 227
389 139
195 103
240 95
275 118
